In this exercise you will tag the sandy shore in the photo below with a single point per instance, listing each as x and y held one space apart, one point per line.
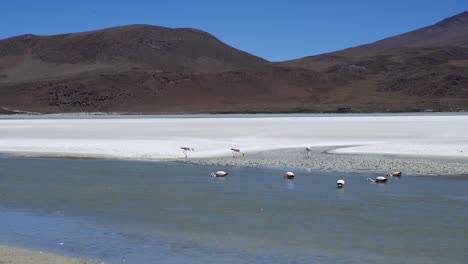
413 144
322 159
162 138
13 255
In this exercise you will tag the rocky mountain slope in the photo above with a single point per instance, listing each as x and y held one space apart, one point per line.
148 69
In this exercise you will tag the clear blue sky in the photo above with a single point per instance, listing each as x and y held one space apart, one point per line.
274 30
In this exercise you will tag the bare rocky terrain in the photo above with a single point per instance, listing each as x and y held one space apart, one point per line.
322 159
150 69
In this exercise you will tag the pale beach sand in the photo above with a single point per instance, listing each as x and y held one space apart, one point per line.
11 255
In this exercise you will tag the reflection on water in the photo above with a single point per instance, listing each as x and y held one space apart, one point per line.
290 184
172 213
340 192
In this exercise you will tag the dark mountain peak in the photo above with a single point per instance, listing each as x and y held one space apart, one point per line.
461 18
152 30
27 36
452 31
178 49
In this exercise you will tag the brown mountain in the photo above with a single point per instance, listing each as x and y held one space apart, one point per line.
153 69
423 69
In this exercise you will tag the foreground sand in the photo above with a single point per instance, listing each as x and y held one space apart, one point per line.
322 159
11 255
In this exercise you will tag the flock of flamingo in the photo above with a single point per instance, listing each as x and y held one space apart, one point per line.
235 152
290 175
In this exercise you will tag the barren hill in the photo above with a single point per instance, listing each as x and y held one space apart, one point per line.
423 69
148 69
153 47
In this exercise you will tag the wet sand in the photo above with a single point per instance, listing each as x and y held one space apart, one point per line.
322 159
23 256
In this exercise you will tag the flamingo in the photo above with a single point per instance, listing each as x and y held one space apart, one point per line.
379 179
185 150
289 175
236 152
307 150
394 174
219 174
340 183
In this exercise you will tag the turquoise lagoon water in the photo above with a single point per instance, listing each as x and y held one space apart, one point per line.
154 212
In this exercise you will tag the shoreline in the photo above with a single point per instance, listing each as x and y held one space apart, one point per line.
322 158
162 138
17 255
16 112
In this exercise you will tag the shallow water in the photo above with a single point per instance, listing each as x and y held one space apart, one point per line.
147 212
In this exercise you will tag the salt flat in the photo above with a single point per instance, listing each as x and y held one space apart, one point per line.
161 138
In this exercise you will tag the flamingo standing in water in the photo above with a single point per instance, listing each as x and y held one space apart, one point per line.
219 174
185 150
379 179
394 174
236 152
340 183
289 175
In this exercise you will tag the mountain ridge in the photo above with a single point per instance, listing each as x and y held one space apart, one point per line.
151 69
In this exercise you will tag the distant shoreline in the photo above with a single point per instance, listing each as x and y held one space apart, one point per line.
414 144
51 116
9 112
322 159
